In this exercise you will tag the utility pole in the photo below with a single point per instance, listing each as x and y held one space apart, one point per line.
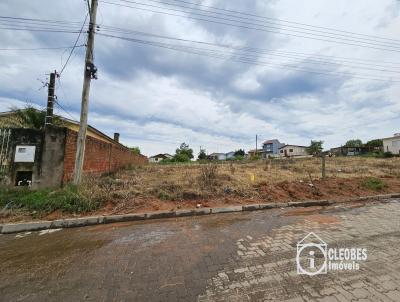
89 73
50 99
256 143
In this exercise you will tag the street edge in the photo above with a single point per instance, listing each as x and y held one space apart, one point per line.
94 220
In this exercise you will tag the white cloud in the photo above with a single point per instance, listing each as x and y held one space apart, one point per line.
158 98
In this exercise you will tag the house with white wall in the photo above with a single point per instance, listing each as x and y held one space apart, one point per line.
392 144
293 151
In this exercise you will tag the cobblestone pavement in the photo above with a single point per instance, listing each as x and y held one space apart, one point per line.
247 256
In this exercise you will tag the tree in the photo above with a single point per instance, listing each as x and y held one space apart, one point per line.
135 150
375 143
239 153
315 147
183 153
202 155
28 117
354 143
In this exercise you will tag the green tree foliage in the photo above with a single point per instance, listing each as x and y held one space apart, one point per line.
28 117
135 150
202 155
239 153
315 147
183 153
375 143
354 143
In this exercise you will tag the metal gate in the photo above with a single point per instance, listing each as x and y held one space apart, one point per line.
4 149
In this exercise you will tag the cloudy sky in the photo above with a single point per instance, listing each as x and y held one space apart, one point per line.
294 81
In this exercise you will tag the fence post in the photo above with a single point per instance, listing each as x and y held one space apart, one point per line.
323 172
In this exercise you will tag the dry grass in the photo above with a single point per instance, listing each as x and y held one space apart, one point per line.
199 181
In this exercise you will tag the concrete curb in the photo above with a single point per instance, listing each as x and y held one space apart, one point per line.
94 220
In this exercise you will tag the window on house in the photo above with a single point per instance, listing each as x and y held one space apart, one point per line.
290 150
281 151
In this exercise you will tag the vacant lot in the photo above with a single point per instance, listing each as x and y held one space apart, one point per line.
167 187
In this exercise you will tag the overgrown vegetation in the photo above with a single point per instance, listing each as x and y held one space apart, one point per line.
373 183
141 187
28 117
87 198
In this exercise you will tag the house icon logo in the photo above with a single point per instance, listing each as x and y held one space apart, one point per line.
311 256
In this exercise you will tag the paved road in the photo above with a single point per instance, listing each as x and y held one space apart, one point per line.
228 257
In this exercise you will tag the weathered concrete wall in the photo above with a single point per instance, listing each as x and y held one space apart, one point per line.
48 165
24 137
52 164
55 151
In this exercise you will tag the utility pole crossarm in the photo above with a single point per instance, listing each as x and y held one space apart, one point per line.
89 73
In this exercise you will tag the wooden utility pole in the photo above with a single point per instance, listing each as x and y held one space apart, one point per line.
256 144
89 73
50 99
323 167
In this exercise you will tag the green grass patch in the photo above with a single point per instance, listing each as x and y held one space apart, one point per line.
373 183
67 199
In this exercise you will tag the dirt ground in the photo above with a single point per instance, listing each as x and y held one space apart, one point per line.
172 187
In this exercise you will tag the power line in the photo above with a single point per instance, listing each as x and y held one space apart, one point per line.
278 20
76 42
246 60
39 48
289 54
39 30
237 15
62 107
261 28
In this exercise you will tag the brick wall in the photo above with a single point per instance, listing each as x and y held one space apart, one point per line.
100 156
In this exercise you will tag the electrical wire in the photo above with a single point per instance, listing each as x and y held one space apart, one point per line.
342 41
237 15
279 20
289 54
39 48
247 60
76 42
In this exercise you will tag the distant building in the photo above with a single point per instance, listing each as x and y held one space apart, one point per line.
293 151
349 151
217 156
252 153
270 148
392 144
230 155
159 157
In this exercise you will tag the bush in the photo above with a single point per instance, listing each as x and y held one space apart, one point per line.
373 183
68 199
208 175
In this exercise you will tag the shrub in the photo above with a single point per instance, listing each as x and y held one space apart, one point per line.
208 175
68 199
373 183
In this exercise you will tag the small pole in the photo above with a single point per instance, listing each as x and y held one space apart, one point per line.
50 99
323 166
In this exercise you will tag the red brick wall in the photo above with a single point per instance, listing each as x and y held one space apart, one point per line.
100 156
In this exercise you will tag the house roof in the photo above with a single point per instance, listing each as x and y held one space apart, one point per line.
293 146
396 136
216 154
254 150
270 141
162 155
